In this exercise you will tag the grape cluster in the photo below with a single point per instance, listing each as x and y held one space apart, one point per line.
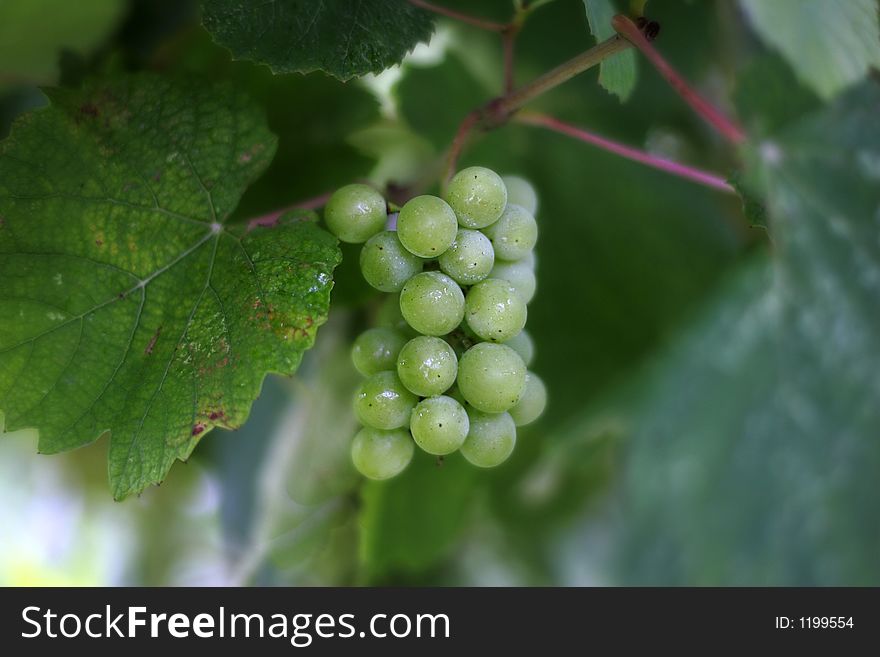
446 369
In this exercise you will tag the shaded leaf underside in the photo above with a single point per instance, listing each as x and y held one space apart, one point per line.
345 38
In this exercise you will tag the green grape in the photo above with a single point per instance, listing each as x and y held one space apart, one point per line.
514 235
355 213
383 402
427 366
519 274
477 195
470 258
491 377
523 344
490 440
494 310
376 350
521 192
385 264
379 454
426 226
532 401
432 303
439 425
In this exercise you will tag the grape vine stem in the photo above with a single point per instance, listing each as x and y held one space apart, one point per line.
489 26
669 166
271 218
725 126
499 110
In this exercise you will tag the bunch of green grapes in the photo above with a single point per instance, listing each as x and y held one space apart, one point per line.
446 369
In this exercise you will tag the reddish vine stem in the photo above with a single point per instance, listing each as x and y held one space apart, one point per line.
725 126
490 26
676 169
271 218
461 137
508 43
499 110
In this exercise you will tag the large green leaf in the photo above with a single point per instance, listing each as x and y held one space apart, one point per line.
831 44
755 459
617 74
33 33
127 305
342 37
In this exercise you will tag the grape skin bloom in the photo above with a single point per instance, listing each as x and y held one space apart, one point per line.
477 195
470 258
514 235
385 264
521 192
426 226
520 274
383 402
491 439
439 425
494 310
427 366
379 454
523 344
432 303
531 403
376 350
355 213
491 377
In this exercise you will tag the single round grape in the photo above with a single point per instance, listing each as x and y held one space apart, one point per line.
439 425
376 349
385 264
426 226
519 274
470 258
494 310
491 377
523 344
383 402
432 303
427 366
477 195
532 401
355 213
490 440
514 235
379 454
521 192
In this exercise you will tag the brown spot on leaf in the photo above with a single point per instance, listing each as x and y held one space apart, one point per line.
198 428
149 350
89 109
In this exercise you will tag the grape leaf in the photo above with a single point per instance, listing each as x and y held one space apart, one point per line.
343 38
755 459
128 305
616 74
33 33
830 45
